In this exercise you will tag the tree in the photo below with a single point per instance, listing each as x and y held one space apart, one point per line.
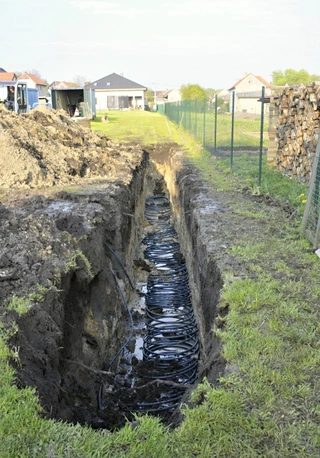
150 97
80 80
210 92
292 77
192 92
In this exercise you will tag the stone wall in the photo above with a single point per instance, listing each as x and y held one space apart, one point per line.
293 129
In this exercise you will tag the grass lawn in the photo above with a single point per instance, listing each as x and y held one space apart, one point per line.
268 405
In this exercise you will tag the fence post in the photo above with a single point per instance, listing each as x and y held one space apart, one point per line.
204 122
232 128
196 124
261 135
215 123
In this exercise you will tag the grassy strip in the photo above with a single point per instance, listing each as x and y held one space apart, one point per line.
136 126
268 402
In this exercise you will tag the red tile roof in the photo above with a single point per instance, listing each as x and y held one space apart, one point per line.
262 80
10 76
32 77
63 85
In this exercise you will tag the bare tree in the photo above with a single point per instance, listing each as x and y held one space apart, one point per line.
80 80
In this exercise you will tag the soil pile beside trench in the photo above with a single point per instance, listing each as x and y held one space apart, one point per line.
46 148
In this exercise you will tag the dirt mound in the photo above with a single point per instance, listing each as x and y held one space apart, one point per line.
45 148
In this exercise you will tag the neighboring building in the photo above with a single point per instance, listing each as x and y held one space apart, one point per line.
8 76
169 95
224 95
115 92
35 82
248 92
63 85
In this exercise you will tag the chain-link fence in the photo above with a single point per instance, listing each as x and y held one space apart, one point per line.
238 138
311 218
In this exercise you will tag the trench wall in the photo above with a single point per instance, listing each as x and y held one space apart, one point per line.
76 331
293 130
193 209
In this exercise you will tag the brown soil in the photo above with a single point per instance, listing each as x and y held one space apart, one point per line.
45 148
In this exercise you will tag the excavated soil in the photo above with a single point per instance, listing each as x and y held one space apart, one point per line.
64 193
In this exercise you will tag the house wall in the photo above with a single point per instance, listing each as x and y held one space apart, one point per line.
136 98
174 95
248 104
249 84
42 89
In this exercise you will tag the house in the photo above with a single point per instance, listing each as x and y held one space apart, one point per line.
115 92
248 92
8 76
35 82
168 95
63 85
224 95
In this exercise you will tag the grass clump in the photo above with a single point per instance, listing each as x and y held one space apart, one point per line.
20 304
72 262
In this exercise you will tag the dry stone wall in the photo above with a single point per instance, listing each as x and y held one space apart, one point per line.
296 110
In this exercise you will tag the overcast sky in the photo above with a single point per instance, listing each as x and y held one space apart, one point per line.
160 43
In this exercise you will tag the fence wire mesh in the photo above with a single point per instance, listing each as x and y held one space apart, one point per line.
241 140
237 138
311 219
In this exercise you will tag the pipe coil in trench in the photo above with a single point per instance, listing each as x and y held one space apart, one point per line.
170 345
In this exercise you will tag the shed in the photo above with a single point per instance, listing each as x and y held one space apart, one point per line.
76 102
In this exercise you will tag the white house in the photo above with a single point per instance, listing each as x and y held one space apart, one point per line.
248 92
115 92
35 82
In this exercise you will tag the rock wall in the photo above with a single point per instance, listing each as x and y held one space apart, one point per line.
295 132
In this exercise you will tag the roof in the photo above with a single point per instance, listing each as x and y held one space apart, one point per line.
262 80
7 76
252 94
63 84
164 93
115 82
32 77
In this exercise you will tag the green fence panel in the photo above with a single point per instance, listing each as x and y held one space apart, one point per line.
232 137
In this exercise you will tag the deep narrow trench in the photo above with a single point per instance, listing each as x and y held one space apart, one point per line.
159 358
134 333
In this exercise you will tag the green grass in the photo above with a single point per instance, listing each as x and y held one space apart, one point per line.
267 404
202 126
126 126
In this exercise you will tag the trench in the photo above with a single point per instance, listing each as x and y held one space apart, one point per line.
135 335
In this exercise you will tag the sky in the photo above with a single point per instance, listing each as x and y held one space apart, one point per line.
160 44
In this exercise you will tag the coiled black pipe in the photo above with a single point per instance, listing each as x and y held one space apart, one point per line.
171 342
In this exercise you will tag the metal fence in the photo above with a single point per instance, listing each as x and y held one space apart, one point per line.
310 227
236 138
